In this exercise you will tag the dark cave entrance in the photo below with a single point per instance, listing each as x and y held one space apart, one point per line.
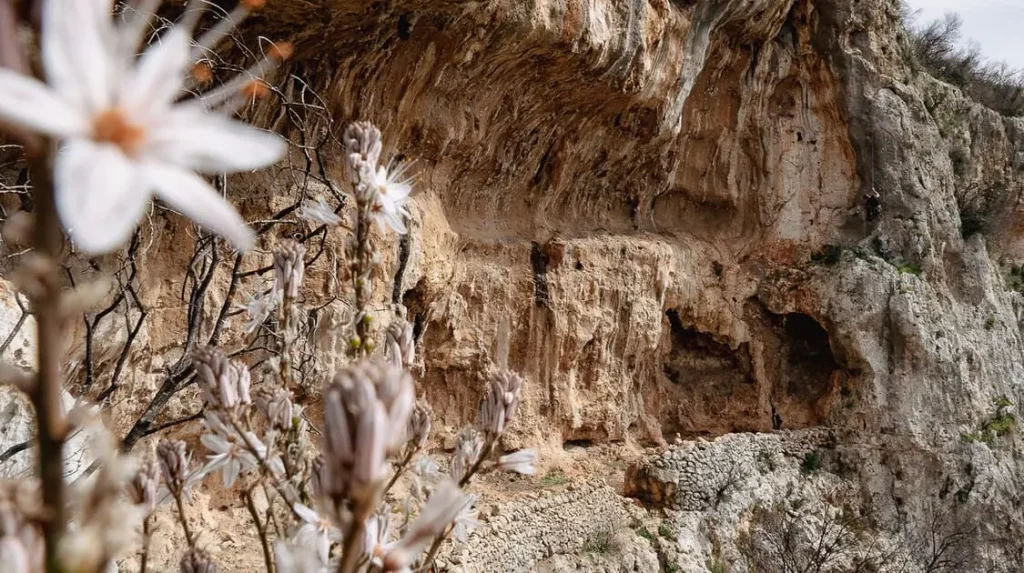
709 385
787 377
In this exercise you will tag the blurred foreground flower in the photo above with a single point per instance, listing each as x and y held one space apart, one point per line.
125 135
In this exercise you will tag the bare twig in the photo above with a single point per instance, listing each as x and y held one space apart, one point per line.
261 529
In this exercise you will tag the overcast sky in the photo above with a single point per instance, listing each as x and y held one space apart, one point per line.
996 25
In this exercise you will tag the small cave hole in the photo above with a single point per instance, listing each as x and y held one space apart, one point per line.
405 24
576 444
807 384
415 302
539 260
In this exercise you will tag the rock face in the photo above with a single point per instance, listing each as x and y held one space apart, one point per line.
700 217
704 217
667 198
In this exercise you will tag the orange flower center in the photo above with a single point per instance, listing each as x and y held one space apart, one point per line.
113 127
202 73
255 89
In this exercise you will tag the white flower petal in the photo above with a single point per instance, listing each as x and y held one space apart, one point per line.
215 443
392 220
196 199
210 143
306 513
100 195
77 42
29 104
157 79
231 471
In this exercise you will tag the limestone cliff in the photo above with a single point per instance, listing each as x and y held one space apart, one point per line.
667 199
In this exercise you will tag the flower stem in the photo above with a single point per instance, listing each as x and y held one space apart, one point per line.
287 338
144 557
362 274
351 552
46 395
184 520
261 529
399 470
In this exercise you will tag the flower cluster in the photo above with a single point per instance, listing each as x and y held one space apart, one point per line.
401 346
289 269
133 128
380 191
366 411
225 383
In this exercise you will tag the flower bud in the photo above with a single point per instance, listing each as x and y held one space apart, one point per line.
289 268
196 560
468 449
277 407
14 557
419 425
401 345
366 410
499 404
225 383
363 143
143 486
174 461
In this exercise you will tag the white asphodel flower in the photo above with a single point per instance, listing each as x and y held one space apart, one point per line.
258 308
391 193
317 532
377 538
319 212
466 521
125 137
230 456
521 462
294 558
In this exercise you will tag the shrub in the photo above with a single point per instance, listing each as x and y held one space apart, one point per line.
985 209
934 46
811 463
907 268
554 478
600 541
827 255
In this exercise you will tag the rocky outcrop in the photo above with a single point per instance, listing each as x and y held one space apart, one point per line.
552 527
694 475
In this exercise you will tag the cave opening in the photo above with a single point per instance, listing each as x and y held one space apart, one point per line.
708 385
810 364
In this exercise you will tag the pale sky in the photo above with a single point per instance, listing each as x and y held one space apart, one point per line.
995 25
